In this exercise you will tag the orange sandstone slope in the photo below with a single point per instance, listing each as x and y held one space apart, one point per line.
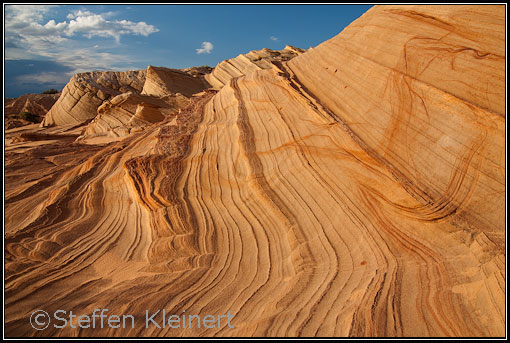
85 92
245 64
355 190
38 104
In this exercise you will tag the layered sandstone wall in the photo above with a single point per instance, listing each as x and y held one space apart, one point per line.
357 189
245 64
85 92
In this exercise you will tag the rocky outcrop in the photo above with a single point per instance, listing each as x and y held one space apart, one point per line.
85 92
37 104
126 112
118 102
357 189
247 63
428 102
164 81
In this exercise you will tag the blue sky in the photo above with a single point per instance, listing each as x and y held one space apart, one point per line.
45 44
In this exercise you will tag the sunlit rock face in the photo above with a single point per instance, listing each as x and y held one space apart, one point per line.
36 104
129 112
357 189
113 104
164 81
85 92
247 63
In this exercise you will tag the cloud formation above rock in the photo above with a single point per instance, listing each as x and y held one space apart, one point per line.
90 24
25 25
70 39
206 48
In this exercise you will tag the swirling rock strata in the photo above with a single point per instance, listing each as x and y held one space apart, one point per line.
245 64
355 190
117 102
162 81
85 92
124 113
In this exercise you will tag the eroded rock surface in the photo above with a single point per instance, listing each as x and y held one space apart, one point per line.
164 81
357 189
85 92
247 63
128 112
113 104
37 104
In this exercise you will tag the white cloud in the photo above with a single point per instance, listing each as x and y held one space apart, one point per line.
24 25
274 39
90 24
206 48
25 13
79 13
31 33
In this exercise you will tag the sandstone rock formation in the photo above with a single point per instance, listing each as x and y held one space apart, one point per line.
85 92
118 102
355 190
38 104
163 81
124 113
247 63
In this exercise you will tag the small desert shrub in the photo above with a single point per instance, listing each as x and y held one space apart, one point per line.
28 117
50 91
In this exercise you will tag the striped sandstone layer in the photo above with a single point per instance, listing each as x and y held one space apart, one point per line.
355 190
85 92
245 64
128 112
